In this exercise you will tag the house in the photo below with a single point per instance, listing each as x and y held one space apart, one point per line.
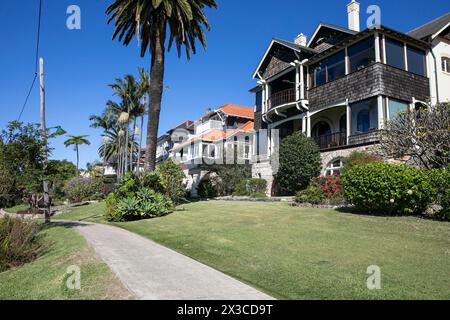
342 85
437 34
212 138
165 143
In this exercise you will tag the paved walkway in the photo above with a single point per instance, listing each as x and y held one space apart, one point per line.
152 272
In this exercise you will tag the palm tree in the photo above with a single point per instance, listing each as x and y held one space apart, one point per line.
151 21
144 85
127 90
105 121
112 147
76 141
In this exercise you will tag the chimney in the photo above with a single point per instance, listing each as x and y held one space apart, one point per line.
301 40
353 16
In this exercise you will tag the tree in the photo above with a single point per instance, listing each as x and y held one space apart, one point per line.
21 162
76 141
112 146
144 85
105 121
299 161
149 21
422 135
59 172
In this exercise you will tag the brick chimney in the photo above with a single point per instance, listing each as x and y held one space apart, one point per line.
353 16
301 40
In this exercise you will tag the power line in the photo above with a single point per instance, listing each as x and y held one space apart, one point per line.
36 61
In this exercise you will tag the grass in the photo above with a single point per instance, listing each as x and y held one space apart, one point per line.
46 277
297 253
20 207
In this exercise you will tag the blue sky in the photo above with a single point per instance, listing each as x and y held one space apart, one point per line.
81 63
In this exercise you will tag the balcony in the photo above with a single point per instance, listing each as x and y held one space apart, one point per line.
281 98
203 127
331 141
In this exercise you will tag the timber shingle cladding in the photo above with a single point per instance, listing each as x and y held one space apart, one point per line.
378 79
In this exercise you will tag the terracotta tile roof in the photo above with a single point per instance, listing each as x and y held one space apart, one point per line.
238 111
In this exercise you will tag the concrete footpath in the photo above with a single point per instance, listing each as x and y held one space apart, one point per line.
153 272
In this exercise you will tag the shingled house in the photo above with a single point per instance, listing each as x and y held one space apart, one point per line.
343 84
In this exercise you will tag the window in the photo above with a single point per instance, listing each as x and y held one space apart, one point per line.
395 107
329 69
362 54
364 116
416 61
446 64
258 102
334 168
395 54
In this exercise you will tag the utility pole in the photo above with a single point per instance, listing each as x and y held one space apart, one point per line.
44 139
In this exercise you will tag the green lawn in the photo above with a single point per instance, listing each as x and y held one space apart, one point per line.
296 253
45 278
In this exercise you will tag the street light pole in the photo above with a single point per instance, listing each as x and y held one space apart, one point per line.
44 139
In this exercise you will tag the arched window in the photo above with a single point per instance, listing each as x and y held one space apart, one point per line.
363 121
321 129
334 168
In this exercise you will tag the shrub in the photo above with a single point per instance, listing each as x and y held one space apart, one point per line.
252 187
206 188
312 195
81 188
226 178
357 158
440 180
172 177
145 204
300 161
20 242
381 188
132 182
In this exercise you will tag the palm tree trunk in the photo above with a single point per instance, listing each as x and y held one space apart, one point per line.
140 141
119 159
78 160
155 93
127 133
104 152
132 145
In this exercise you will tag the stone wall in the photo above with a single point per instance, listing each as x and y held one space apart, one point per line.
329 156
263 170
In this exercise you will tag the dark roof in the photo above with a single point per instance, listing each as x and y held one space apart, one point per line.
294 46
322 25
430 28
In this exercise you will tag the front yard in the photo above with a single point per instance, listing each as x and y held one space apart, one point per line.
296 253
45 278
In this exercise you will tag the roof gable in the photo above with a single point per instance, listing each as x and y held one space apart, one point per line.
432 28
283 51
331 33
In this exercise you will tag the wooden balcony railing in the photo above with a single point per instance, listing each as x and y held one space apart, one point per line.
333 140
282 97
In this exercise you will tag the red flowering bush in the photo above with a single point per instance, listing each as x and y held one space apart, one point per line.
322 190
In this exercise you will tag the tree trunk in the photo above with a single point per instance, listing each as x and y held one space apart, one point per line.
155 93
132 145
127 133
78 160
104 152
140 141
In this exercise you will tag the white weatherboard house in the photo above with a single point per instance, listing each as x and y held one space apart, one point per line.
437 33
